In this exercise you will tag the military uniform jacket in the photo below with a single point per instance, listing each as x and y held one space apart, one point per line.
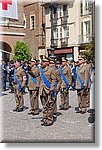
50 76
35 72
84 75
57 77
67 73
21 76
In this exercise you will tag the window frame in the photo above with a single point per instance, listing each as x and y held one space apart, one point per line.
31 27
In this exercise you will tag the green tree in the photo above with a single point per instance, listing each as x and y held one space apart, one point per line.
89 54
21 51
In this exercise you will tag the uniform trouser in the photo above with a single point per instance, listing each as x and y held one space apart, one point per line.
19 98
48 106
55 107
34 102
65 99
82 98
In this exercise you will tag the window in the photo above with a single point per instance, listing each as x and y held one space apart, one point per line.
87 27
90 6
81 7
64 7
32 22
60 11
65 10
81 28
55 33
86 4
24 20
85 7
55 12
66 31
60 32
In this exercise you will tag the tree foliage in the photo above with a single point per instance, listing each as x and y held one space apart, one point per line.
21 51
89 54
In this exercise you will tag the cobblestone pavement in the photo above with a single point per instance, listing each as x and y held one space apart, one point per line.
21 127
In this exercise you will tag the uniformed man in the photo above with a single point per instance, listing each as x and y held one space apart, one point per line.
19 83
88 66
33 87
57 78
47 92
66 76
82 85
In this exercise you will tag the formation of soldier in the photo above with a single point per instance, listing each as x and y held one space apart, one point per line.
46 80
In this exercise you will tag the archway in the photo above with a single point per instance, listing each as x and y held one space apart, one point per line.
5 51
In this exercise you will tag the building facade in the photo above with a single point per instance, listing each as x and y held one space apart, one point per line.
11 31
72 27
35 28
87 23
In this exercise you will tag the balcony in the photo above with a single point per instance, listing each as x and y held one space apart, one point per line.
55 43
85 38
64 42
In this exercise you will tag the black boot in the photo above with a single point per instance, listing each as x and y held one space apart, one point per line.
61 107
20 110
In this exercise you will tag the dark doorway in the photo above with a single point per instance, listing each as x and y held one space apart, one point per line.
5 50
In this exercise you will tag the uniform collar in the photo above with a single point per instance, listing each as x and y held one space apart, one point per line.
46 67
64 66
81 65
19 68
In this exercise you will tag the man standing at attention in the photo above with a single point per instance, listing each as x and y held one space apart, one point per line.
33 87
66 76
19 84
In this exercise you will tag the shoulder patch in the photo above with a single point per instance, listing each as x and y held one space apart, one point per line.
24 78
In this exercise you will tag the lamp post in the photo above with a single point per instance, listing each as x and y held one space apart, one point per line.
52 36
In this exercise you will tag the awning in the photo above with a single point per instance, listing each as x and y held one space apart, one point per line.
62 51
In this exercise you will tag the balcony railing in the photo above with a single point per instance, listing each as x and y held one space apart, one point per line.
64 42
85 38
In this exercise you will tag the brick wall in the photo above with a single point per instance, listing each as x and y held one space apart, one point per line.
33 38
